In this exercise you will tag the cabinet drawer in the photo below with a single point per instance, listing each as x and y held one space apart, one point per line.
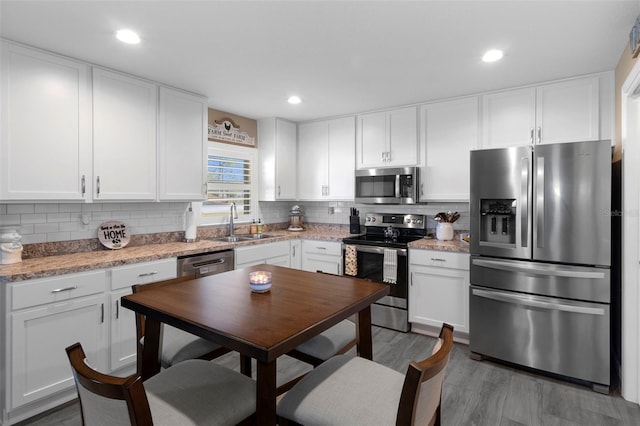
48 290
143 273
439 258
260 253
322 247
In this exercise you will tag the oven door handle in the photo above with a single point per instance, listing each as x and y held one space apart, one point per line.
533 302
378 250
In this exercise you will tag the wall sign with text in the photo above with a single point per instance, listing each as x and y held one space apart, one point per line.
113 235
226 130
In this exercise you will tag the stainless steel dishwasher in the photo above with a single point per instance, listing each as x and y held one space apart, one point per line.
201 265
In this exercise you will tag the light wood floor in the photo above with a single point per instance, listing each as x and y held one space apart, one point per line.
475 392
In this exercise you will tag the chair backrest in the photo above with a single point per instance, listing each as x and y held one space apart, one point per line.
421 398
136 288
108 400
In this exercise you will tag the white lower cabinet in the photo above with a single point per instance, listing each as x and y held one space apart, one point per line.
324 256
439 289
46 316
270 253
122 320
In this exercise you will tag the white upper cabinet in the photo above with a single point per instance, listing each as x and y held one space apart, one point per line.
45 147
566 111
326 159
449 131
387 138
182 146
277 152
124 137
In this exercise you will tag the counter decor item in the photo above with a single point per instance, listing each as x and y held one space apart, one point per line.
113 235
444 227
354 221
10 245
295 219
260 281
190 229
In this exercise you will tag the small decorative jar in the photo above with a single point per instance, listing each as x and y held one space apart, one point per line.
444 231
10 245
260 281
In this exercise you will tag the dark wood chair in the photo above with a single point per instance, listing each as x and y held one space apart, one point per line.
355 391
177 345
193 392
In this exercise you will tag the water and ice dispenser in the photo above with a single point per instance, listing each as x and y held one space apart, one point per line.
498 221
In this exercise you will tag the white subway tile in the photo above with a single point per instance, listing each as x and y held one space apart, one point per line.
20 208
40 228
58 217
58 236
33 218
46 208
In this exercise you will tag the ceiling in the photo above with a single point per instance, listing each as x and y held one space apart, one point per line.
340 57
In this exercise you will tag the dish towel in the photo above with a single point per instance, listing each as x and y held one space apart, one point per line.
390 267
350 261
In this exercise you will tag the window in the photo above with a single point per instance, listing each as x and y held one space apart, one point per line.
231 178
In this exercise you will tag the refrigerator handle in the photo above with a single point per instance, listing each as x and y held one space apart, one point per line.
540 202
535 269
536 303
524 206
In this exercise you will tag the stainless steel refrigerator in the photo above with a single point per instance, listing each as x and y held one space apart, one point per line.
540 258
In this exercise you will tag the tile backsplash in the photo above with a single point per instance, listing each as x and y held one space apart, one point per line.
52 222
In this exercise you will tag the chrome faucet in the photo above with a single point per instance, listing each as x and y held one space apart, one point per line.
233 214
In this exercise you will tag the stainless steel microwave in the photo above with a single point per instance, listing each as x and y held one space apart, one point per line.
387 186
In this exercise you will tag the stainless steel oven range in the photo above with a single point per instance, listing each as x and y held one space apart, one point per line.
380 255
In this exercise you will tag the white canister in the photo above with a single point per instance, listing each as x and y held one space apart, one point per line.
444 231
10 253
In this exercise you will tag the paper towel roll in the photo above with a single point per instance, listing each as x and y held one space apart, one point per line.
190 227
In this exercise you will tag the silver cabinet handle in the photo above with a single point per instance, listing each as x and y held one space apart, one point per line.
83 185
539 135
58 290
147 274
101 313
321 248
278 190
98 186
531 136
533 302
117 310
437 259
388 155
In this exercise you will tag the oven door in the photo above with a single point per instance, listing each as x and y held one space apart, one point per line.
371 267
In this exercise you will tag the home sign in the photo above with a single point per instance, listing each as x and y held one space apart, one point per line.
113 235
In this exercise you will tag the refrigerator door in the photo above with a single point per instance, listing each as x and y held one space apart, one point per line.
500 207
572 203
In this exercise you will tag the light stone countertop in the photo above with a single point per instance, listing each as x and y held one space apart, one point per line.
48 266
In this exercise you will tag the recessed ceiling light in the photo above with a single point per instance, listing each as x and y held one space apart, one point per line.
128 36
294 100
492 55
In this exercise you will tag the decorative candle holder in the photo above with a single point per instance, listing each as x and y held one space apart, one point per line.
260 281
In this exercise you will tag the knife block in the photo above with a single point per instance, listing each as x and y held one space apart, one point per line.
354 224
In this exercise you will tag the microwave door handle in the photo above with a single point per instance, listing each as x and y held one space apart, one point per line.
398 186
524 205
540 202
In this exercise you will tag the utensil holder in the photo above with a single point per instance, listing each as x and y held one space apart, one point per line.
354 224
444 231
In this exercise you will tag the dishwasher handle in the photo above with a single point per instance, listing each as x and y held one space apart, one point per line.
208 262
533 302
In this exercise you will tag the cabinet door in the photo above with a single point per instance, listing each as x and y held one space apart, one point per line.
123 333
449 132
508 118
39 363
372 140
313 162
318 262
286 171
124 137
182 145
45 147
438 295
341 164
283 260
402 137
568 111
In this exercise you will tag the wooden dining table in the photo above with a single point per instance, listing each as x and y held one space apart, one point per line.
223 309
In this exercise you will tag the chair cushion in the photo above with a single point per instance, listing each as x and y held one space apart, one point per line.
178 345
200 392
328 343
345 390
